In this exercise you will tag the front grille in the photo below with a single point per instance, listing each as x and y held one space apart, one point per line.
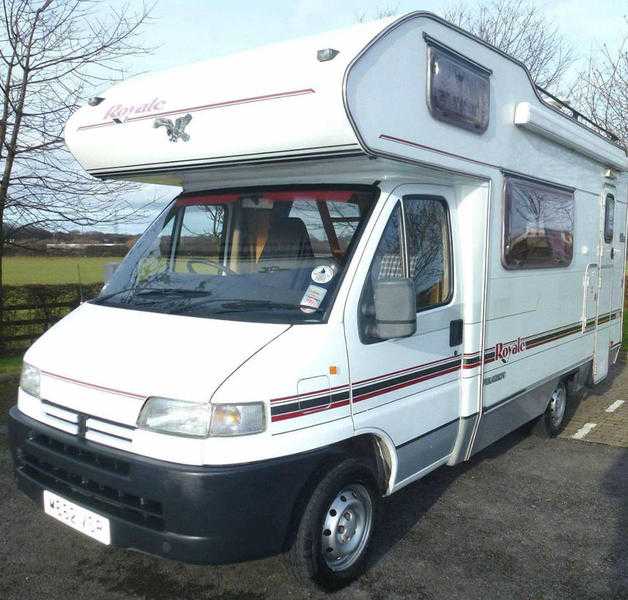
87 491
112 465
87 426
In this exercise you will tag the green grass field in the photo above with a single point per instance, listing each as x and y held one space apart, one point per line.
24 270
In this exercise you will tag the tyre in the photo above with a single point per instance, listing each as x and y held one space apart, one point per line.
551 422
332 540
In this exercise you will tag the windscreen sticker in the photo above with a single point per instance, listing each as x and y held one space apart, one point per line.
323 274
312 298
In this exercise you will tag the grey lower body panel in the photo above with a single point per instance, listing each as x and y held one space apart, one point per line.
505 416
421 452
463 439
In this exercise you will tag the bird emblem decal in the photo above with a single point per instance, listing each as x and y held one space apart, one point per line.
176 130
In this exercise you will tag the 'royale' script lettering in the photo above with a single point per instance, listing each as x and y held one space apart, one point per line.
124 111
505 351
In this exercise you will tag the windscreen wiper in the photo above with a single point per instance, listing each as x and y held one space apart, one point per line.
240 304
177 291
146 291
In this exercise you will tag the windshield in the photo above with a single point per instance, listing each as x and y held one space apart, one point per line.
272 255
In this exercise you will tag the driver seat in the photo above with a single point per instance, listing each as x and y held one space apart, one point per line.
287 238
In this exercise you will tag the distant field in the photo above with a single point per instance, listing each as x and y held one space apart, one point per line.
24 270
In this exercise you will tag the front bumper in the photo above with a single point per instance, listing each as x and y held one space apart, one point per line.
202 515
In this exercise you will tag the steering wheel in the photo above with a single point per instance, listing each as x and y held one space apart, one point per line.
211 263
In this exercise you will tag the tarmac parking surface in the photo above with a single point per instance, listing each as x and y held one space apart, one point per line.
527 518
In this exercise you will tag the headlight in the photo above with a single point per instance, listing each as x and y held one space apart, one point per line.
190 419
175 417
29 379
237 419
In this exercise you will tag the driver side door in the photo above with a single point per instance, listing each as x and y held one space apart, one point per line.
409 387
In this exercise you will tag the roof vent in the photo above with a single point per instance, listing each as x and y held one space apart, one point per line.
327 54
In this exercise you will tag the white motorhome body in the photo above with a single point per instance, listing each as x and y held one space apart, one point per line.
441 162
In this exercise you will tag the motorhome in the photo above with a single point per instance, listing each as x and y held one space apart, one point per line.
391 249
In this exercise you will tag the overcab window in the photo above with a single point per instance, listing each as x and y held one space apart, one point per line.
458 89
538 225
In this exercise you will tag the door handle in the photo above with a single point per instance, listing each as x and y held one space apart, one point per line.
455 332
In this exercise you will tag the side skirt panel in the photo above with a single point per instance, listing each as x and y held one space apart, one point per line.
414 456
504 417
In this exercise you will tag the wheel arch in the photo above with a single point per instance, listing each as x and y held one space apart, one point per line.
381 459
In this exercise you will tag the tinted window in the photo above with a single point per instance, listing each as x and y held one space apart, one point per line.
538 227
458 90
429 254
609 219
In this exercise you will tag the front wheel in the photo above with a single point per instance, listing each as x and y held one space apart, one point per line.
332 540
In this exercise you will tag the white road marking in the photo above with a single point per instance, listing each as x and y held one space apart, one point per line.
614 406
584 430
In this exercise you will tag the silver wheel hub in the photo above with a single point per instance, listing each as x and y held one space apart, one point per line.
347 527
558 404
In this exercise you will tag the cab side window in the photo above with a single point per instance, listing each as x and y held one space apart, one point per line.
429 250
416 243
388 263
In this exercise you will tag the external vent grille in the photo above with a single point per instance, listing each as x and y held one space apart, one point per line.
93 459
91 493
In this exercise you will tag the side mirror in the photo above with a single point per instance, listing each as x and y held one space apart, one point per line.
395 308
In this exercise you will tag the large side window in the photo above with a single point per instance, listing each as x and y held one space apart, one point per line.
609 219
429 249
538 225
458 89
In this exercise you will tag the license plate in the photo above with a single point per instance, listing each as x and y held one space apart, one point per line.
77 517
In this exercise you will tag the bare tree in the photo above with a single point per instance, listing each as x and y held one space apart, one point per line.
53 53
381 12
518 28
601 90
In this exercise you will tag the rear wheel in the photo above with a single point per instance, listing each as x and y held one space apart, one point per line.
551 423
332 540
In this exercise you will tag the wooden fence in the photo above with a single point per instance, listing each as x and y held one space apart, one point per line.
35 326
28 311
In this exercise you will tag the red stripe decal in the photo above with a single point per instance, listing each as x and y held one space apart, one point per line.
93 386
416 367
311 411
205 107
314 393
399 386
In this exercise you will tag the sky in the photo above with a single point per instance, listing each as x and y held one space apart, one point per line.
183 31
221 27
